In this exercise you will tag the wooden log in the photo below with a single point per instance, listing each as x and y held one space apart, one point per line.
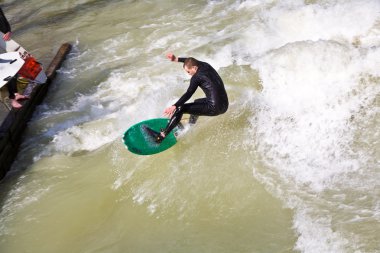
58 60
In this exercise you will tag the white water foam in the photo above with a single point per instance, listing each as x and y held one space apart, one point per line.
310 109
291 21
118 102
316 63
319 66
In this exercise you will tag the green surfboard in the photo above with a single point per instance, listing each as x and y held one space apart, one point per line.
138 141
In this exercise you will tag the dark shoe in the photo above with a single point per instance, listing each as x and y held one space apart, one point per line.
180 126
156 136
193 119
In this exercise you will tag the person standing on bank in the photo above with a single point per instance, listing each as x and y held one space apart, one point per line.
203 75
4 26
12 84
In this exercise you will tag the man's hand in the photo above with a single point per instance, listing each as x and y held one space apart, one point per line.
7 36
171 57
169 111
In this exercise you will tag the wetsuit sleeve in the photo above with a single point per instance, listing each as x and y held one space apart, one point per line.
190 91
4 25
182 59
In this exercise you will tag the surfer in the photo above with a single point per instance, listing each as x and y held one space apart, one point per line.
12 83
203 75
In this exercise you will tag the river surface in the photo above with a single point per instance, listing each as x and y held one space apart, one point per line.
293 166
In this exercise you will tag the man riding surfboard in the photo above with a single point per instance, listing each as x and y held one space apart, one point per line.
203 75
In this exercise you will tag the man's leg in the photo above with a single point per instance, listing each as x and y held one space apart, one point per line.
173 122
193 117
199 107
12 90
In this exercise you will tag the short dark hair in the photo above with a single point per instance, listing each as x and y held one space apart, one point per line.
190 62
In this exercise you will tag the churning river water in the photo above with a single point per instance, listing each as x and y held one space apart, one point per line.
293 166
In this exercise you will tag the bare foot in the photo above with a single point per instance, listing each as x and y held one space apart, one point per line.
20 97
15 104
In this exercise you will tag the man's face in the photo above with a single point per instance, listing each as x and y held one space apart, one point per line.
192 70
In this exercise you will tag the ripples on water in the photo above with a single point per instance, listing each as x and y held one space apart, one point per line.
293 166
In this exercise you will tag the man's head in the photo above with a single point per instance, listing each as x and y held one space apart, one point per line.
191 65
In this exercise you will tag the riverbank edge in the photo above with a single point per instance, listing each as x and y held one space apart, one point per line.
14 124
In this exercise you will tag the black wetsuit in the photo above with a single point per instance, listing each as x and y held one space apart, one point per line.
4 28
215 102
